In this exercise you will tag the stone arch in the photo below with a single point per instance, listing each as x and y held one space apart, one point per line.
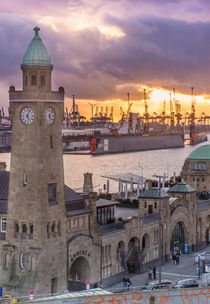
178 235
80 270
133 260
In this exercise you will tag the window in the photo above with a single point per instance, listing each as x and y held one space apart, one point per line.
145 204
33 80
3 224
24 228
198 179
74 222
16 228
155 205
51 193
31 229
42 81
193 179
195 166
26 80
199 167
204 166
53 227
203 179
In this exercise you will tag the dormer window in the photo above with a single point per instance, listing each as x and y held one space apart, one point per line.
33 80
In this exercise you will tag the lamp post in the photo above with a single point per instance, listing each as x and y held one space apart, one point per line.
160 226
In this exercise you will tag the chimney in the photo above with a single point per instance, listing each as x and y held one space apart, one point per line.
3 166
88 184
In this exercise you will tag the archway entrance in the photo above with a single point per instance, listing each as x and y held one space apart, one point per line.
178 237
133 261
79 273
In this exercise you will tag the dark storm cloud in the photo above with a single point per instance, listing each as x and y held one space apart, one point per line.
154 51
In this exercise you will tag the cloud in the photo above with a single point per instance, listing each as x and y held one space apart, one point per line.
154 51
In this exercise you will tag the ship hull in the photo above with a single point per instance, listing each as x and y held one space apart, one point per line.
130 143
198 137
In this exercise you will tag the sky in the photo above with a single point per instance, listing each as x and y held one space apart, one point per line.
102 49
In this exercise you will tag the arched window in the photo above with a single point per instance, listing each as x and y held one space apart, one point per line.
199 167
53 227
24 228
195 167
31 229
16 228
204 166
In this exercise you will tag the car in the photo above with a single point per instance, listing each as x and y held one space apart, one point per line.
186 283
155 285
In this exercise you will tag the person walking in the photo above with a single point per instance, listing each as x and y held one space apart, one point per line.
154 272
149 273
126 282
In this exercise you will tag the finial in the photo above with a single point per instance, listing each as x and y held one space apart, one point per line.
36 29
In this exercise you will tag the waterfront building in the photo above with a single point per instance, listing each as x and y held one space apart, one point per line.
196 169
53 238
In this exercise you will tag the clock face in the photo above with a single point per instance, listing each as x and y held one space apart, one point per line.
27 116
49 116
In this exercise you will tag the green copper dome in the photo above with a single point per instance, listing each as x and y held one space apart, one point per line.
36 53
181 188
201 153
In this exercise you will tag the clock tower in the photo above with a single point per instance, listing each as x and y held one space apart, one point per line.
36 204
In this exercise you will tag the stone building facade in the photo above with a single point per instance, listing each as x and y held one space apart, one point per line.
52 238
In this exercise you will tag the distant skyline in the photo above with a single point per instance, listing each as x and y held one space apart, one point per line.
103 49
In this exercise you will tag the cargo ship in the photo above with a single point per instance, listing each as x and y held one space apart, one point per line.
104 144
197 137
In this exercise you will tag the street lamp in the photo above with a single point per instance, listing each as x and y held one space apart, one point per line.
160 226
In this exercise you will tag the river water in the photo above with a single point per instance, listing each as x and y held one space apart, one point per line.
149 162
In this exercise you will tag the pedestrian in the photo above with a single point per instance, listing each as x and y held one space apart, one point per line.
149 273
173 258
126 282
177 259
154 272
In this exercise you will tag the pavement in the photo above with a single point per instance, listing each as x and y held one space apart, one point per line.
185 269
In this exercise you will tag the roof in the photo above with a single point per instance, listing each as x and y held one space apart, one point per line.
36 53
154 193
181 188
4 187
125 177
104 202
203 204
150 218
201 153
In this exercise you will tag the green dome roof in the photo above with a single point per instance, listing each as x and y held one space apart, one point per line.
154 193
181 188
36 53
201 153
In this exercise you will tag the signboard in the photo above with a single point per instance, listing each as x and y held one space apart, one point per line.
185 247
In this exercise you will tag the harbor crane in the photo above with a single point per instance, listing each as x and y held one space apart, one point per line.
146 113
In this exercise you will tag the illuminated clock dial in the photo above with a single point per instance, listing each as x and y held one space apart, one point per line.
27 116
49 116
